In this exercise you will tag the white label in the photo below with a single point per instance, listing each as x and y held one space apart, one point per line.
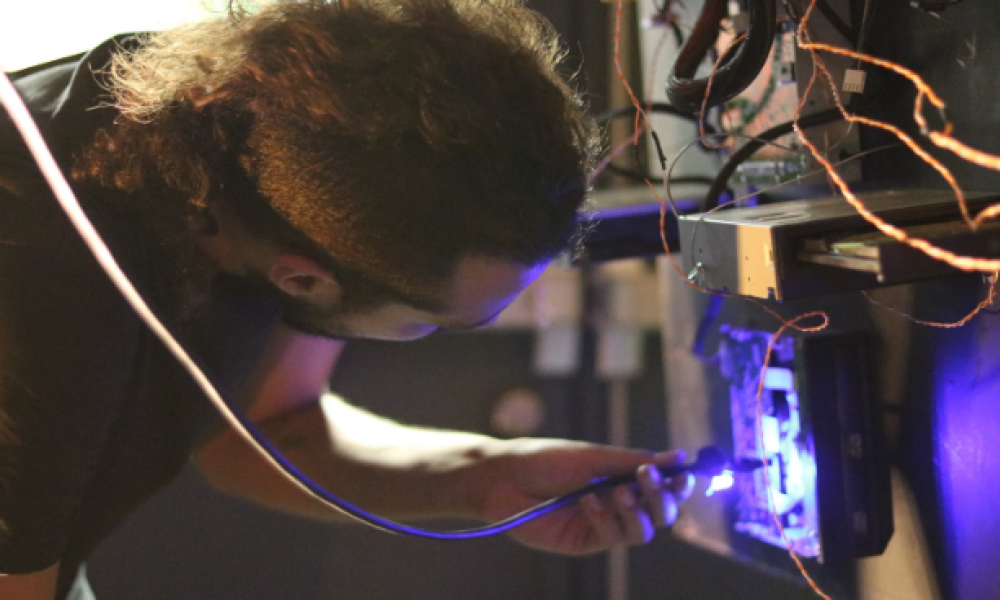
854 81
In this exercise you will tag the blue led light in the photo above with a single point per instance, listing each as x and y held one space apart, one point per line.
722 481
790 484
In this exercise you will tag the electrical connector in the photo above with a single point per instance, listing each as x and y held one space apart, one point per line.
854 81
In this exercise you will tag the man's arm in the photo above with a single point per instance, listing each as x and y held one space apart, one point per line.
400 471
406 472
396 471
368 460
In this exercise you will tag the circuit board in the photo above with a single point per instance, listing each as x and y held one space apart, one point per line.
782 441
770 100
775 97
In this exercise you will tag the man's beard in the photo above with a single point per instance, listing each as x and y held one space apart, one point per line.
310 320
306 318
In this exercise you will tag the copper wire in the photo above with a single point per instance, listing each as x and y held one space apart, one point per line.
991 292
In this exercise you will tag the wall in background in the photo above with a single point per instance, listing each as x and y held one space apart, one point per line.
36 32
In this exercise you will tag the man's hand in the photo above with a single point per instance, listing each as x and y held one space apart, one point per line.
528 471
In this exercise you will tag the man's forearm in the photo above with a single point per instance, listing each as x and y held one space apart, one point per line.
404 472
391 469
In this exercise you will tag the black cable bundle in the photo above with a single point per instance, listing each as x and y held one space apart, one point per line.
721 182
741 66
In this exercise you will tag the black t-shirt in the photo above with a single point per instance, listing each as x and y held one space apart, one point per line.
95 415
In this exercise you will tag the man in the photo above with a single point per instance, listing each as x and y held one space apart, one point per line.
275 183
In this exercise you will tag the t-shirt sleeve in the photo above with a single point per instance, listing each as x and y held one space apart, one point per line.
65 339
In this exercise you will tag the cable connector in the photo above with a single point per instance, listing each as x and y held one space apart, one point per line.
854 81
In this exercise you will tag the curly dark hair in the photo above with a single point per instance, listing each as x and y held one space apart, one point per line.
385 139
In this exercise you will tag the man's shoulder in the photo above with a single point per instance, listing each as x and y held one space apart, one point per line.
67 98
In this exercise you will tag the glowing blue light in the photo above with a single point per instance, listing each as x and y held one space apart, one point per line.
722 481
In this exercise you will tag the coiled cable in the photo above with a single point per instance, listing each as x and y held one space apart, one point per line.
737 72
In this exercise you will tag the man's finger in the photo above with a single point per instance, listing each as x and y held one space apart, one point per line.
603 521
682 486
669 509
637 523
669 457
605 460
651 484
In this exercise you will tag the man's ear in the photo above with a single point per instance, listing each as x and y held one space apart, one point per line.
304 279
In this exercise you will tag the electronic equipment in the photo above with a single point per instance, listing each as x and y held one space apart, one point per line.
825 467
620 228
811 247
781 90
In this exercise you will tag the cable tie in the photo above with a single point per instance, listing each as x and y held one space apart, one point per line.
659 150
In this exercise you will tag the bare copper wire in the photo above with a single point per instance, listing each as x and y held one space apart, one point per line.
965 263
943 138
991 293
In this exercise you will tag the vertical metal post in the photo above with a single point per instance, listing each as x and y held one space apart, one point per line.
618 435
